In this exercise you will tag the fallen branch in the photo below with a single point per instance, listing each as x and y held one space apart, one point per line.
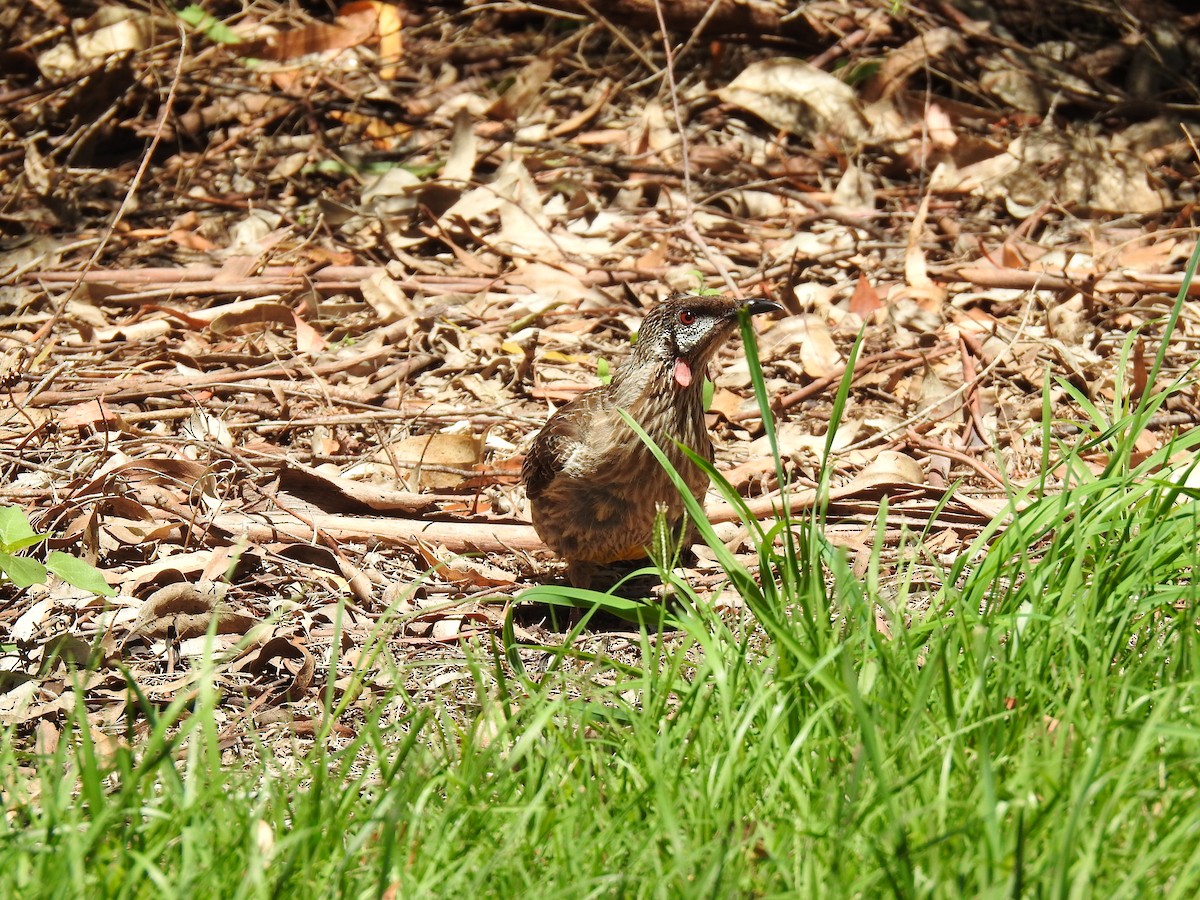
277 279
1026 280
140 388
501 537
458 537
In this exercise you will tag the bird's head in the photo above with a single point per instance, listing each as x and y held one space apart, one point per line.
686 330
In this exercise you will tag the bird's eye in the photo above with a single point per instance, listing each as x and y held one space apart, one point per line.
687 317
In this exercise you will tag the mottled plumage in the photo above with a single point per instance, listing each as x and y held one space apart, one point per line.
593 486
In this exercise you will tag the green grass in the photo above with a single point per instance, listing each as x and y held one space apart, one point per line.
1035 730
1030 728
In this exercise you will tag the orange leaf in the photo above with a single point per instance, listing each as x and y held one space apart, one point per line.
309 341
864 301
388 27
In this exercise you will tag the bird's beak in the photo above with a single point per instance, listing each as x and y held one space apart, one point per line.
758 305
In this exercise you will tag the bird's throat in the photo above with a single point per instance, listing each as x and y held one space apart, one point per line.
682 373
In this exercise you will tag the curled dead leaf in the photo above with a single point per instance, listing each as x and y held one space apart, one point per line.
280 658
889 468
794 96
808 338
249 317
463 570
189 611
524 91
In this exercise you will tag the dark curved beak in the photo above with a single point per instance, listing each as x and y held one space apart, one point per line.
758 305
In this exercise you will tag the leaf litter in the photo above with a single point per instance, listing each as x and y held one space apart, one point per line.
285 299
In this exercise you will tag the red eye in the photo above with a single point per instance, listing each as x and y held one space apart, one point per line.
687 317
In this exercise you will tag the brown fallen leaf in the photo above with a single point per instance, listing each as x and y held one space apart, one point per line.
889 468
357 27
95 415
726 403
793 96
188 611
463 570
282 660
333 493
522 95
412 455
865 300
387 27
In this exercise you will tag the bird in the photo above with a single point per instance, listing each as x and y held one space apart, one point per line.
594 488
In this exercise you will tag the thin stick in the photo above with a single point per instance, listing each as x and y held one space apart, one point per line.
689 223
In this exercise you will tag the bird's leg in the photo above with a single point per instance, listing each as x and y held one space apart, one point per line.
581 573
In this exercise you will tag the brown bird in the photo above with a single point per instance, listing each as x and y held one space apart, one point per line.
594 488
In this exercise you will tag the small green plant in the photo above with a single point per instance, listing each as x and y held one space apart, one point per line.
603 371
855 74
214 29
16 534
701 290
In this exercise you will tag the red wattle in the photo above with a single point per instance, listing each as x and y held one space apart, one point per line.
683 374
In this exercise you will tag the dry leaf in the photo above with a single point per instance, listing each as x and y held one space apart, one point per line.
806 338
889 469
188 610
793 96
386 297
384 19
818 353
94 415
460 161
30 622
864 302
110 32
281 659
855 191
522 95
901 64
414 454
357 27
462 570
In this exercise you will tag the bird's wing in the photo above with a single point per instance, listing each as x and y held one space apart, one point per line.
558 439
